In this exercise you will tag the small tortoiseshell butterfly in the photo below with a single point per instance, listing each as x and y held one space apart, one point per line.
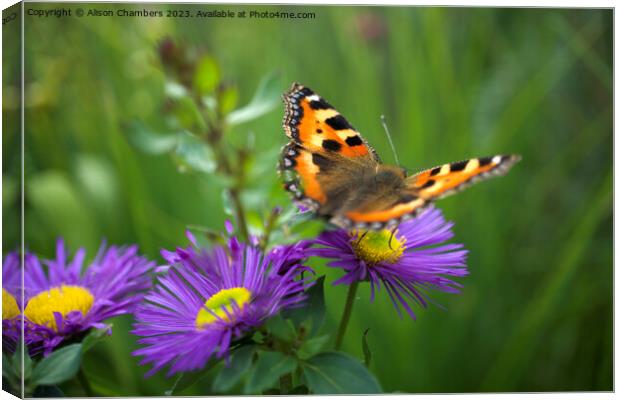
330 169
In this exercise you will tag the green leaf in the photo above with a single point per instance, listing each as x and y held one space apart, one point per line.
254 220
205 236
292 216
98 180
222 180
366 349
17 362
147 141
265 99
296 226
281 328
269 367
306 227
206 75
10 190
58 207
187 379
191 152
173 389
175 90
338 373
194 153
48 391
59 366
312 346
240 361
314 310
94 336
27 367
7 369
301 389
255 198
187 115
228 98
16 359
228 204
211 103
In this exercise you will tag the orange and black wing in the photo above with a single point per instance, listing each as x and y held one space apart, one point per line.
329 168
388 208
311 122
325 155
444 180
387 211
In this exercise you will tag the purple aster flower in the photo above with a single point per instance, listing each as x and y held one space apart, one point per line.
63 300
11 300
210 298
293 255
408 262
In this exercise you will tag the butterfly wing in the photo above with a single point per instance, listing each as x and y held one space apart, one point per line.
389 206
320 181
310 121
326 157
382 210
329 168
444 180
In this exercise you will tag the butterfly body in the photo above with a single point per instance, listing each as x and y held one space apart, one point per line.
329 168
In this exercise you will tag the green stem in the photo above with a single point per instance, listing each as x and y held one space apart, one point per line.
346 314
232 168
235 191
81 376
271 221
286 383
243 227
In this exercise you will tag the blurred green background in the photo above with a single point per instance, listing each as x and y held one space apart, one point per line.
535 313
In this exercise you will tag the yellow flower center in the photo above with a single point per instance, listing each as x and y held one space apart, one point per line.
377 246
9 305
220 303
64 299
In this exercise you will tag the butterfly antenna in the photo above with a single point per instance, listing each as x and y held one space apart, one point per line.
391 236
387 132
360 238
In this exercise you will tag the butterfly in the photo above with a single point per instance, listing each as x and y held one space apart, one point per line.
330 169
